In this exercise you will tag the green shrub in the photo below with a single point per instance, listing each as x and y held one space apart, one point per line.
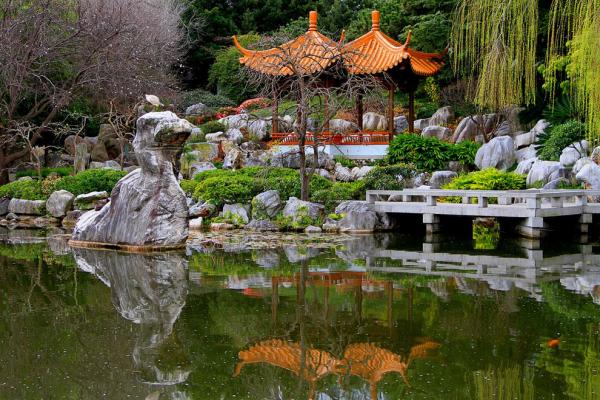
344 161
226 189
488 179
30 189
188 186
205 97
213 173
212 127
287 181
386 177
338 192
60 171
91 180
429 154
551 144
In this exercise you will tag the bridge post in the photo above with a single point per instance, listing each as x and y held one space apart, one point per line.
585 220
532 227
432 224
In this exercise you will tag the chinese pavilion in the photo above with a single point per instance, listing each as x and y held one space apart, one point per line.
398 66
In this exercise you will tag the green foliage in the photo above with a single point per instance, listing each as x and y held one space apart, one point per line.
188 186
230 218
60 171
205 97
388 177
226 73
212 127
486 234
233 188
297 222
561 111
429 154
338 192
91 180
30 189
344 161
488 179
554 140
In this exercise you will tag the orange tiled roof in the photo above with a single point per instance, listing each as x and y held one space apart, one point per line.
375 52
311 52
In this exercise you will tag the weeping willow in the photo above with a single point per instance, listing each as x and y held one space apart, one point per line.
575 30
494 45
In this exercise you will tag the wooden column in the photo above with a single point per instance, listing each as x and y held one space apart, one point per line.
326 115
275 117
390 112
411 111
359 112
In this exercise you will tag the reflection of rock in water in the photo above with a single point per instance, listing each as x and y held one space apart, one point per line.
588 284
150 290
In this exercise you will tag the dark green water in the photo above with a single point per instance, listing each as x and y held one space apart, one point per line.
382 317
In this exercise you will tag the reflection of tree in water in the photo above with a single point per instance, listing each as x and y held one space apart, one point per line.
149 290
367 361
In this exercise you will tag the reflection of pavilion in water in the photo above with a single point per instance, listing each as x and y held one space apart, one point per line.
364 360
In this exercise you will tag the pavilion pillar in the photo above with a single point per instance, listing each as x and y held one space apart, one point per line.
359 112
390 112
326 113
411 111
275 116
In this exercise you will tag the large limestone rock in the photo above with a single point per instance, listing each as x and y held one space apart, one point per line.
421 124
147 207
358 217
27 207
529 138
441 178
342 126
442 117
197 167
87 201
297 210
200 110
498 153
437 131
400 124
374 122
342 174
266 205
590 175
574 152
59 203
543 171
238 121
524 166
474 127
526 153
582 162
236 213
360 172
259 129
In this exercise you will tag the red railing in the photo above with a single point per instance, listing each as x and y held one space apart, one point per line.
328 138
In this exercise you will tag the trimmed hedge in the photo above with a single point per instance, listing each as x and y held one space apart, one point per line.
387 177
30 189
91 180
488 179
339 191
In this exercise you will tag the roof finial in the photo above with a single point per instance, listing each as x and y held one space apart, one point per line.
375 20
312 21
408 37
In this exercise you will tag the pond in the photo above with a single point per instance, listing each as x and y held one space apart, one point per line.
352 317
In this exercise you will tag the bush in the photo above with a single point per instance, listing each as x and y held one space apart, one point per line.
213 173
287 181
386 177
60 171
205 97
188 186
488 179
551 144
339 191
92 180
212 127
428 154
226 189
25 189
344 161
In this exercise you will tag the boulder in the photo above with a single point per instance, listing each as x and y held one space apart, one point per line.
27 207
342 126
324 173
110 139
590 175
71 141
574 152
196 224
59 203
374 122
82 157
400 124
147 207
526 153
221 226
238 121
503 129
357 217
421 124
596 155
579 164
4 202
71 218
497 153
525 166
312 229
204 210
542 171
298 210
555 183
474 127
360 172
99 153
215 137
259 129
342 174
197 167
330 227
199 109
234 135
234 159
266 205
292 159
262 225
236 213
441 178
88 201
443 116
257 158
436 131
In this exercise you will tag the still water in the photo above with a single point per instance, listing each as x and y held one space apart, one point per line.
368 317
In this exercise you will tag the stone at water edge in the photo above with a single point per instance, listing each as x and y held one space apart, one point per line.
27 207
236 213
498 153
4 202
297 209
312 229
88 201
147 207
262 225
59 203
196 224
441 178
202 210
266 205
